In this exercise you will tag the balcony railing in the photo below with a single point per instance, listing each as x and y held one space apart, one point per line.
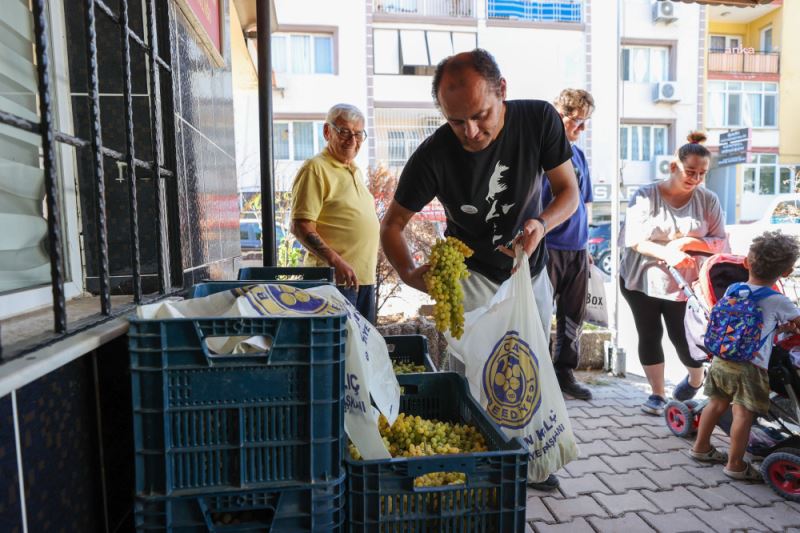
744 62
427 8
533 11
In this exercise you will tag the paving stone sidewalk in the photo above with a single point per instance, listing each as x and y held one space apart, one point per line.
634 475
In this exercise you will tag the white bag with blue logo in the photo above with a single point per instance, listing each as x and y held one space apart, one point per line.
508 367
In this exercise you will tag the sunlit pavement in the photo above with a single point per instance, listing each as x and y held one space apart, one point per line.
633 475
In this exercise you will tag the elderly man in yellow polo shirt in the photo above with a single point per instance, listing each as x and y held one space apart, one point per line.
333 212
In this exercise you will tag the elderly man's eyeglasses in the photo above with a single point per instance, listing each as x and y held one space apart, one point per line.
346 135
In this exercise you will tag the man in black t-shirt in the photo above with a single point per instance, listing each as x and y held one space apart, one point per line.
486 167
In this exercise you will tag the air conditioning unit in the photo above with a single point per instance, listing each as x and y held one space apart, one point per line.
665 91
661 167
664 11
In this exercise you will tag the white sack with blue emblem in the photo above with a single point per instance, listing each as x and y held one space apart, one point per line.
369 377
508 367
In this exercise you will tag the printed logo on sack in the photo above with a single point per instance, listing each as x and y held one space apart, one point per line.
511 382
283 300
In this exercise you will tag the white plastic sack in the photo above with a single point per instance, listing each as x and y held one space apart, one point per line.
596 303
695 322
508 367
368 369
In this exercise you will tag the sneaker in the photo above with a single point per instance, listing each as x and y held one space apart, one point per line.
548 485
683 391
654 405
568 384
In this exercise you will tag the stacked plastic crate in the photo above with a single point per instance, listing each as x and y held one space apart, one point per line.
238 442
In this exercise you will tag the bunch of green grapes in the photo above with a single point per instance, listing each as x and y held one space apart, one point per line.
414 436
443 283
407 368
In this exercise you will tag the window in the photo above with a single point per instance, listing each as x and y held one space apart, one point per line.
750 104
299 53
642 142
766 39
766 177
297 140
416 52
724 43
398 132
24 261
645 63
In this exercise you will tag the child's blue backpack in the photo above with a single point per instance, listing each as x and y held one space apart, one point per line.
735 324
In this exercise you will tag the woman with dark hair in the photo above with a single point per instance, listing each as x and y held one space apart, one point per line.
665 221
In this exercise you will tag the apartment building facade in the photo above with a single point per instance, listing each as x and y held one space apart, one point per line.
753 84
380 56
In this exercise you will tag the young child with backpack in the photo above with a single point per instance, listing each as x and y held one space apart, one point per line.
740 331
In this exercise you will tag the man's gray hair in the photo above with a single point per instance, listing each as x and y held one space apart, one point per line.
347 112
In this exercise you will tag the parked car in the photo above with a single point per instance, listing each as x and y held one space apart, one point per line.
600 245
782 214
250 235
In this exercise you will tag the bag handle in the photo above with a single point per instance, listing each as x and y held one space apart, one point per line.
463 464
238 327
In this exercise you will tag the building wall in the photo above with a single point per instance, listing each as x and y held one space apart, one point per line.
205 152
67 436
605 79
316 93
637 27
531 71
753 36
789 105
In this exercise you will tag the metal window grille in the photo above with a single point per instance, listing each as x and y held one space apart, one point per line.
536 11
161 166
398 132
428 8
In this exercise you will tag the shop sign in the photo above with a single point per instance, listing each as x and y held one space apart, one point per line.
734 159
735 136
602 191
205 18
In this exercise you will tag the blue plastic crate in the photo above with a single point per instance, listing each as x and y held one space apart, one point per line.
381 493
410 349
286 273
317 508
205 422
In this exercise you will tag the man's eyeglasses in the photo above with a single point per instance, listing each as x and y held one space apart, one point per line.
346 135
578 121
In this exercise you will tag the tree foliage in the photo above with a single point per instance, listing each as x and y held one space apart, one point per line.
420 234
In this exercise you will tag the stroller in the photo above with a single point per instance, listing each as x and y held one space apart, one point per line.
774 438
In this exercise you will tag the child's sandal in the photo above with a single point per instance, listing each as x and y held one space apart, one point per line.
750 473
711 456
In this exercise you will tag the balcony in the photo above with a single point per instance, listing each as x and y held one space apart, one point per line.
533 11
746 61
427 8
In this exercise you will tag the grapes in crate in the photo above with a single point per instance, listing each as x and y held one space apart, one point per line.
414 436
407 368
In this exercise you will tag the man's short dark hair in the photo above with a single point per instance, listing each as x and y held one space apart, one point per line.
478 60
771 254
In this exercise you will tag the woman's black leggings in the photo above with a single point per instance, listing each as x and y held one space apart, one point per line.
647 312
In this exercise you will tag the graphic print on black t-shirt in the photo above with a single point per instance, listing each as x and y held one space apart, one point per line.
488 195
497 197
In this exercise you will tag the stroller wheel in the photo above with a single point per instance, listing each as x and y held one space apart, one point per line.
781 471
680 419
